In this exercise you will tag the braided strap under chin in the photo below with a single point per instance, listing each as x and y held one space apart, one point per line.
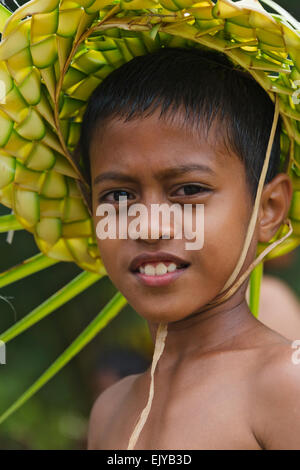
162 329
159 347
260 187
234 276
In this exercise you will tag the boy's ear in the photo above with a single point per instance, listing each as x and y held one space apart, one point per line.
274 206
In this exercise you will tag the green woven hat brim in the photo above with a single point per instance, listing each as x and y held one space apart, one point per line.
53 54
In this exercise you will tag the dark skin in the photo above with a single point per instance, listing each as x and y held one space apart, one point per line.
224 380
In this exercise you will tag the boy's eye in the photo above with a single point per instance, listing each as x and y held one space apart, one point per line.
115 195
191 189
186 190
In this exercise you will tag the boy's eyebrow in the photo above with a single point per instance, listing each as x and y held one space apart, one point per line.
167 173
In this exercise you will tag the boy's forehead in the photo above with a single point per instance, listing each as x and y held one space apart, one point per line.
162 142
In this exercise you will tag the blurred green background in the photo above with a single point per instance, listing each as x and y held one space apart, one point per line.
57 417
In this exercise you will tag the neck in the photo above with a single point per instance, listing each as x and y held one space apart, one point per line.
205 331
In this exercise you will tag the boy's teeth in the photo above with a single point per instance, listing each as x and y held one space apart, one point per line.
150 270
159 269
171 267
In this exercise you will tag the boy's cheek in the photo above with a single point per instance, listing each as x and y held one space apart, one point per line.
110 252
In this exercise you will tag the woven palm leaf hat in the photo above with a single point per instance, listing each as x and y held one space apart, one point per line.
53 55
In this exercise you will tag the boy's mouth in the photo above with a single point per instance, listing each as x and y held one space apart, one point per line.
158 268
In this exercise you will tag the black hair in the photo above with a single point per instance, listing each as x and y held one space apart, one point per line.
203 84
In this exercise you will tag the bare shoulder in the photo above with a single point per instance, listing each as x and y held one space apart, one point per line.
276 402
105 406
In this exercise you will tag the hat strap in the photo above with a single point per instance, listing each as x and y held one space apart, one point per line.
261 183
163 327
233 281
161 335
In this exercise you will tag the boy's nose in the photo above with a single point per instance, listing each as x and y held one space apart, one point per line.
158 222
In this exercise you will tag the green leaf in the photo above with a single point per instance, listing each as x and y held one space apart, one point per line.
285 14
9 222
107 314
72 289
30 266
4 15
255 283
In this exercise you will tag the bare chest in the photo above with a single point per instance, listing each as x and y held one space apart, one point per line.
211 415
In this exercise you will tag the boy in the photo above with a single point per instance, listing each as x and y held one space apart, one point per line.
224 380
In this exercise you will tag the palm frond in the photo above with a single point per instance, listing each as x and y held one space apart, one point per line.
107 314
68 292
30 266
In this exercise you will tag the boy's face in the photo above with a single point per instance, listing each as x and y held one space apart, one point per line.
144 151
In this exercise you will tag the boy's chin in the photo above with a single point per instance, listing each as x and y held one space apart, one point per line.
162 316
